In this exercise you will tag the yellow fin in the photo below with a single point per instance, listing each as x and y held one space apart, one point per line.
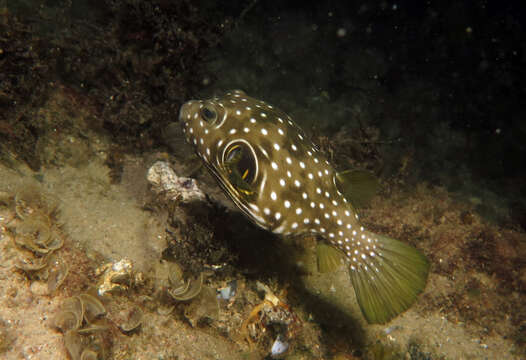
358 186
329 258
391 280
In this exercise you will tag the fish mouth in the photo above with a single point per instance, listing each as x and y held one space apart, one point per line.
188 111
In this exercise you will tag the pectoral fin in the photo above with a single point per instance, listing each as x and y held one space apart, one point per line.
358 186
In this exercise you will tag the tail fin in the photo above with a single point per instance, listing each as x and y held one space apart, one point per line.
388 282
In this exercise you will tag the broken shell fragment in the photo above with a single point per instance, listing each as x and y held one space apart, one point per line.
89 354
55 243
116 276
66 321
36 228
83 340
165 310
204 306
93 308
93 329
228 291
31 263
74 305
165 181
30 200
175 274
7 212
74 344
279 347
26 242
57 275
134 319
188 291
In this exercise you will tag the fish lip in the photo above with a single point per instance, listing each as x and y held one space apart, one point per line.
185 110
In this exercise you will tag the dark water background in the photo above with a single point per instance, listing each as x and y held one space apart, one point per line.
439 84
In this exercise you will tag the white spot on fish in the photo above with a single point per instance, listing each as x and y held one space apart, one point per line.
264 131
274 165
273 195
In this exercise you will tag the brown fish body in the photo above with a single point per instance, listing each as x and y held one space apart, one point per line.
280 180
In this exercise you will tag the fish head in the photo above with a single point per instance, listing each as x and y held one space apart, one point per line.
252 148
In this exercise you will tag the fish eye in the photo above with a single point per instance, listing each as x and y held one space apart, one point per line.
209 114
241 164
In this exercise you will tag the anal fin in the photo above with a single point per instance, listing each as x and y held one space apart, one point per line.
329 258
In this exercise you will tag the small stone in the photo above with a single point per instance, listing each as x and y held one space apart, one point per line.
39 288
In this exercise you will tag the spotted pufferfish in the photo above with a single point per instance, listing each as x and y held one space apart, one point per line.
279 178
